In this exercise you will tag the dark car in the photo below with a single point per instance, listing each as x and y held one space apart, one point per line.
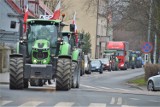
97 66
106 64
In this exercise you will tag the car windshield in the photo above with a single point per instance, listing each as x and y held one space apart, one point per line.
95 62
105 60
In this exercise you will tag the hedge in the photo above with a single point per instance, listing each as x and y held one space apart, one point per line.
151 70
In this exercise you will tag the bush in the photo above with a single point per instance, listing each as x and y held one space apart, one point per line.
151 70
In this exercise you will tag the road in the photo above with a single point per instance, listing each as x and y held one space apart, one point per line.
96 90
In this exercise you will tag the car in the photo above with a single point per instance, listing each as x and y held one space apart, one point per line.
153 83
97 66
106 64
87 65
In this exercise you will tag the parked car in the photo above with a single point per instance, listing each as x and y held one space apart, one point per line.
87 65
97 65
106 64
153 83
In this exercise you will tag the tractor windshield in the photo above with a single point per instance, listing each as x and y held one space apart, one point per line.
119 53
37 31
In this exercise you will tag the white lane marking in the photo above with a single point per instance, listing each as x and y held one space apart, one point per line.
119 101
64 104
105 88
31 104
4 102
97 105
154 101
134 99
87 86
112 100
127 106
121 89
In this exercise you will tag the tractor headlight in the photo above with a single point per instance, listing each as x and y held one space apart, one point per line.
122 65
35 61
44 61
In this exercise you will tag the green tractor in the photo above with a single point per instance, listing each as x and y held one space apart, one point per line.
41 55
69 37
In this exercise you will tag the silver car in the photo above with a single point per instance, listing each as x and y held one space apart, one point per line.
153 83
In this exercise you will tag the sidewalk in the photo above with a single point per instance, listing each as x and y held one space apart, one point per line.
4 78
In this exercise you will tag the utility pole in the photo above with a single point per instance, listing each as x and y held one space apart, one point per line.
97 42
149 27
149 21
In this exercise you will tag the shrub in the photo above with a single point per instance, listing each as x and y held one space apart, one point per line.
151 70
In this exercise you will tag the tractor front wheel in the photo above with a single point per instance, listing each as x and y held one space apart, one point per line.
75 75
63 74
16 73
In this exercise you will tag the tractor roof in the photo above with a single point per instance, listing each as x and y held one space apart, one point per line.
45 20
66 32
56 21
109 51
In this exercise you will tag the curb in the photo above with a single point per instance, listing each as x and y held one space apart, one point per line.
135 86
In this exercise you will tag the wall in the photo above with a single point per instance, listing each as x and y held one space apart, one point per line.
5 20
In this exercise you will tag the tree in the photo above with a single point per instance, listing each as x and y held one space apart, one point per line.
86 48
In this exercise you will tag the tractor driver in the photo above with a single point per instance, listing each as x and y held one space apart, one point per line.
44 33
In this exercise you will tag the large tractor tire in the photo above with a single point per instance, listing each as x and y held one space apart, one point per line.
63 74
16 74
75 75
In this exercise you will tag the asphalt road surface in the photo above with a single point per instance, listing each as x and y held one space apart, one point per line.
96 90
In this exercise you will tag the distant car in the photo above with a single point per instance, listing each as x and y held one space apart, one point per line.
97 65
153 83
106 64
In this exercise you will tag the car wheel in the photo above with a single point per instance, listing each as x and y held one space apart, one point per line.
150 86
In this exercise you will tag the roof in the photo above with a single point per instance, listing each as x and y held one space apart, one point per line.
17 9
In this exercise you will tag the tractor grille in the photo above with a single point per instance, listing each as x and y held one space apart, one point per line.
40 55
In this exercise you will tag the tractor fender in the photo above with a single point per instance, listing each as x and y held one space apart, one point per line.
75 55
65 49
65 56
15 55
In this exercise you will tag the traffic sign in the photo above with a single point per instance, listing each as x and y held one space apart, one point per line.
147 47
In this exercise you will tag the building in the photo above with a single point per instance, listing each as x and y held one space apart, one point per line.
13 10
90 21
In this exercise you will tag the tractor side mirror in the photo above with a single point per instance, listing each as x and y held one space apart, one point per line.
82 42
81 36
72 27
13 24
